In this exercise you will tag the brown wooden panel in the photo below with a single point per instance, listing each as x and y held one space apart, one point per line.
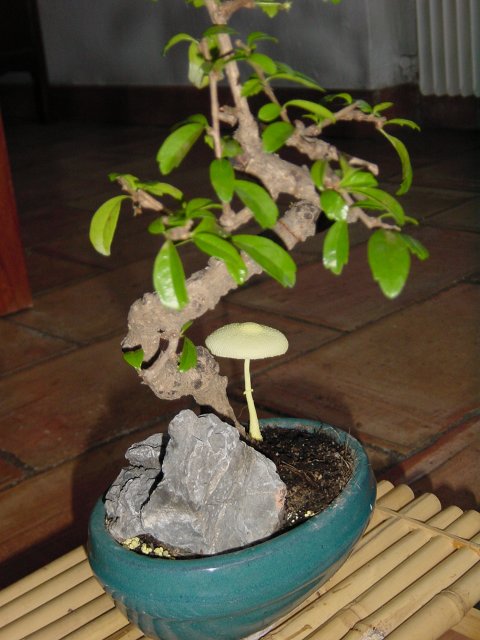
14 288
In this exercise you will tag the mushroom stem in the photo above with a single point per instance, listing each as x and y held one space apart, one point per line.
254 429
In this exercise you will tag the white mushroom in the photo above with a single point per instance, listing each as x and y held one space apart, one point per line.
247 341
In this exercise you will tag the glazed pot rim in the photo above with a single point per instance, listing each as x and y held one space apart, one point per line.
275 543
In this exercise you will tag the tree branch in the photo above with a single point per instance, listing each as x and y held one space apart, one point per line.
222 13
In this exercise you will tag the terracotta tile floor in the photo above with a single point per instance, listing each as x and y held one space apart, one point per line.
402 375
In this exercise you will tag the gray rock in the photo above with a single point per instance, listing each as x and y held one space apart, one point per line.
128 493
216 493
147 453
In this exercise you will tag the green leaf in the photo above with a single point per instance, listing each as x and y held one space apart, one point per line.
415 247
264 62
336 247
317 172
197 67
169 277
270 256
259 201
207 224
382 201
196 117
130 181
186 327
285 72
407 173
222 177
188 357
251 87
271 7
312 107
269 112
333 205
160 189
156 227
215 246
176 219
230 147
176 146
104 223
411 220
275 135
383 106
179 37
270 10
298 78
198 205
403 122
134 357
364 106
358 179
346 167
218 28
209 141
346 98
259 35
389 260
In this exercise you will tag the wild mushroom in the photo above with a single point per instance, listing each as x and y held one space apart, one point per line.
247 341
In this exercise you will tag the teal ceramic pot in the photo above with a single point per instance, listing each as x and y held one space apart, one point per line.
232 595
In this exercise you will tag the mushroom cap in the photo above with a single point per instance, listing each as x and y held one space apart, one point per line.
246 340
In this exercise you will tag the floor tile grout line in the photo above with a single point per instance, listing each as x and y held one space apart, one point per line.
74 347
95 446
429 222
289 317
46 334
41 361
347 332
432 442
69 285
65 257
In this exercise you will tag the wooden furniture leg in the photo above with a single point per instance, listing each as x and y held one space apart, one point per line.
14 287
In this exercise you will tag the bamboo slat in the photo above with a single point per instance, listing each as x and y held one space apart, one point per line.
55 608
383 487
130 632
376 579
444 610
392 599
58 629
45 592
102 627
40 576
414 575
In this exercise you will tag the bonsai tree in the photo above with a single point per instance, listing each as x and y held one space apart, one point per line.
248 173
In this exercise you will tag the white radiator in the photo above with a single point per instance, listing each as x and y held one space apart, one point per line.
449 47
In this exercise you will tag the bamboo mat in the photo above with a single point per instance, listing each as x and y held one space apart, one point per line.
414 575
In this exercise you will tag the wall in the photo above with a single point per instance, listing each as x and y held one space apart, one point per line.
365 44
392 42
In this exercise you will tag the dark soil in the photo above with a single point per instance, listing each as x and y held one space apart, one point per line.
314 468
